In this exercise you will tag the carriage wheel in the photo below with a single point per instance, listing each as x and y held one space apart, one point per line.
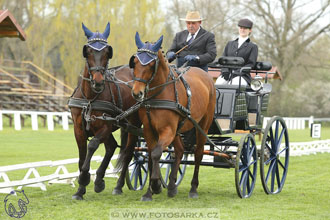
165 169
274 158
137 174
246 166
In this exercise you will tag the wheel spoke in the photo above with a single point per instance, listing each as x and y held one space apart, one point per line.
271 166
243 168
283 150
278 178
247 153
141 177
144 169
270 149
136 178
251 174
279 141
273 177
252 152
133 172
280 162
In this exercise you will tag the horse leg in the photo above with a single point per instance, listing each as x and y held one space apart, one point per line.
110 147
200 141
123 161
84 176
148 195
165 138
172 189
82 146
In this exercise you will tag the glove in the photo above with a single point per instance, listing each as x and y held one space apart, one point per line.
170 56
191 58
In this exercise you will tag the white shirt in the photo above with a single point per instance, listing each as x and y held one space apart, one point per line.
195 34
241 40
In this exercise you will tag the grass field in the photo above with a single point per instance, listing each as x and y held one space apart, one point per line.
305 194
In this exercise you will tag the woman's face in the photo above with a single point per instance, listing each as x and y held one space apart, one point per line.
244 32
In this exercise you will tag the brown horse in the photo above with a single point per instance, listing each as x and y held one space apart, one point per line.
95 95
160 125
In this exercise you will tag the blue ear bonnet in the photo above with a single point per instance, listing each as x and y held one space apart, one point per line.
97 41
147 52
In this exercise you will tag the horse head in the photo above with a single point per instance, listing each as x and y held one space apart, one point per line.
97 52
145 65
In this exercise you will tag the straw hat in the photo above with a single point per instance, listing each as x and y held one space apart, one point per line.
192 16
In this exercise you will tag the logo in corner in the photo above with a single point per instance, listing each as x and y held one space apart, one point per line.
15 204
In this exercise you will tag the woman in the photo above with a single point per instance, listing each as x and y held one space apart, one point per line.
241 47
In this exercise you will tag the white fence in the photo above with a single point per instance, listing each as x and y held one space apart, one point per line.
32 177
291 122
34 118
294 123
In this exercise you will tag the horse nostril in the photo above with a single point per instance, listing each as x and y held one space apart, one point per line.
138 96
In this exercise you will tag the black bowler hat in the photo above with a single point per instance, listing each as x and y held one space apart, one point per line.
245 23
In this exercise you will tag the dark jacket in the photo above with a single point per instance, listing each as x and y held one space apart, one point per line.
204 47
248 51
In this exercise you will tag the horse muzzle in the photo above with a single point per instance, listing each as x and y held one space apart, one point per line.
98 86
139 96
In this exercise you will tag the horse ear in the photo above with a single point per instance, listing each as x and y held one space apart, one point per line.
131 62
138 41
158 44
88 33
85 51
110 52
107 31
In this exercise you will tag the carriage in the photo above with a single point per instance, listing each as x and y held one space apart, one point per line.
239 109
104 101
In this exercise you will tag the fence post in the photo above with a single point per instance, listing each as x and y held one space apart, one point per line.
50 121
310 121
34 121
65 121
17 121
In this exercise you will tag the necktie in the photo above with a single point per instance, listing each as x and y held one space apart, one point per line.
191 39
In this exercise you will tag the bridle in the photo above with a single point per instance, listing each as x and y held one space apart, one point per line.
147 82
98 68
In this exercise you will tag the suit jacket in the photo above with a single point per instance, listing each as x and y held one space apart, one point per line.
203 45
248 51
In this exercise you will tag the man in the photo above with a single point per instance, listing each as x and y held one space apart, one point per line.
201 47
241 47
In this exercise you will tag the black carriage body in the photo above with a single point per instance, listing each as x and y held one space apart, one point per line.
238 107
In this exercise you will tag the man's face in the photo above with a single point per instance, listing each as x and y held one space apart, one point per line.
193 26
244 32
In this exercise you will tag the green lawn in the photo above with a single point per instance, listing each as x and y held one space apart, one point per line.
305 194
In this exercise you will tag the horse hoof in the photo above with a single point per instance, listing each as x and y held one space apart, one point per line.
172 192
117 192
193 195
99 186
146 199
77 197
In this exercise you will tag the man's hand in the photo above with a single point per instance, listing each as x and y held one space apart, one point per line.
191 58
170 56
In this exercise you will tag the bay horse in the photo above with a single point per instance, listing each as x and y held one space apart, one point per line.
194 93
95 95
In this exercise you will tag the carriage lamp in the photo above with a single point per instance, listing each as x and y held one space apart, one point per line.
256 83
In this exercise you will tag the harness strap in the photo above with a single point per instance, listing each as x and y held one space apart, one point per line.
166 104
98 105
